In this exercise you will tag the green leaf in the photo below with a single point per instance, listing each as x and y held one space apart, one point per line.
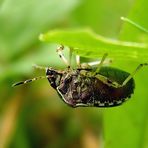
86 43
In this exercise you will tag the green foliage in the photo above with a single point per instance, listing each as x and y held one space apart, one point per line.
33 115
88 44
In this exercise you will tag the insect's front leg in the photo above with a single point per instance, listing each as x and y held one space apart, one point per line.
61 55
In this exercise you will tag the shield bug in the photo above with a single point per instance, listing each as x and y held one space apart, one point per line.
89 86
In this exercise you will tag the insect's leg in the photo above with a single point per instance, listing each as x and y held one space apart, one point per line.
29 80
59 51
132 74
70 56
107 61
101 62
78 61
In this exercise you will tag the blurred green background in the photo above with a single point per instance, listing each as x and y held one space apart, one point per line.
33 116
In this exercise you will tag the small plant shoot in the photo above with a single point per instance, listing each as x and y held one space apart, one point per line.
90 84
134 24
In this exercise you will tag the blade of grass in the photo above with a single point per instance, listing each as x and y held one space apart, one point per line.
134 24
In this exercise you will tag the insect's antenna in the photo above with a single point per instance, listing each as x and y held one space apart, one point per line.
29 80
39 67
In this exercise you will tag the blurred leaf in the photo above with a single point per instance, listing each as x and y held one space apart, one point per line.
88 44
22 21
9 120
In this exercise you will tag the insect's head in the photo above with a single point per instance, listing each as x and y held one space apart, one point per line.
54 77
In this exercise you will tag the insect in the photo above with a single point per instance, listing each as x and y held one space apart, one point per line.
89 86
